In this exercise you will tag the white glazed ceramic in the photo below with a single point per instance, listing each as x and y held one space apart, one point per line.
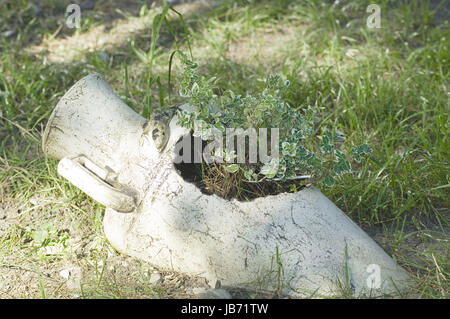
297 243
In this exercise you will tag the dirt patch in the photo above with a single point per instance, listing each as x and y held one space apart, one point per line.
120 24
48 249
417 249
263 45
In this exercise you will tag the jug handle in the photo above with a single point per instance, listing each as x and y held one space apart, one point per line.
87 179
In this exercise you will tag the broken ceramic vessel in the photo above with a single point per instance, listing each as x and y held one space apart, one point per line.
294 243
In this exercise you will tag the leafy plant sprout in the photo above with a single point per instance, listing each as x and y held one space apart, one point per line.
306 148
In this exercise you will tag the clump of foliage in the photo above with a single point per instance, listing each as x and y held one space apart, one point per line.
305 148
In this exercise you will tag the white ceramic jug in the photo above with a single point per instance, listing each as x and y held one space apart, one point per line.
295 243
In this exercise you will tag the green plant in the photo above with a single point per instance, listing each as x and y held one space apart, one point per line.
47 235
306 147
148 57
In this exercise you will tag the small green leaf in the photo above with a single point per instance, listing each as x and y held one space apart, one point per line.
312 161
233 168
229 157
361 151
290 174
341 167
270 169
288 149
327 144
40 236
329 181
250 175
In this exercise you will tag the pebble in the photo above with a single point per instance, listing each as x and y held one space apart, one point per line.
53 250
9 33
73 276
65 273
155 279
104 57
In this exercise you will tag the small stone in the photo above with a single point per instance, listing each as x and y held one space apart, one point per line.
197 291
155 279
351 53
65 273
33 200
73 276
111 252
9 33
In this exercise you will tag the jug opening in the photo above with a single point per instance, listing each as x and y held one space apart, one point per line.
213 179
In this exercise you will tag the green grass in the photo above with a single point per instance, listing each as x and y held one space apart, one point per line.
390 90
